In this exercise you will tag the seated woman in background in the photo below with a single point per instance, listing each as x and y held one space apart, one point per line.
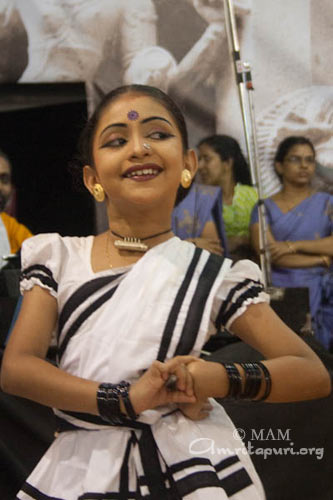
222 163
300 232
198 218
12 233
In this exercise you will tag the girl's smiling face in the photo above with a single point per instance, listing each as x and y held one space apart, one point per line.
131 173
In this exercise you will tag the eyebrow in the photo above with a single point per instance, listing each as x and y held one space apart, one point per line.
145 120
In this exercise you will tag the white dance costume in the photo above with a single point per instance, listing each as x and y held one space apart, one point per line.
112 325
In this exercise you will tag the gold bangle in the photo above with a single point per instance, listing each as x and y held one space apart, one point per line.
290 247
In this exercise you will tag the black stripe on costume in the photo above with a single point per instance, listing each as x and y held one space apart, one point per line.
36 494
232 484
95 419
124 476
151 465
110 496
45 276
226 462
249 294
198 303
37 267
224 315
171 322
196 481
192 462
228 299
80 295
83 316
235 482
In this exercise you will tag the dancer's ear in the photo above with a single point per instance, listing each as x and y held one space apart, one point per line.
191 161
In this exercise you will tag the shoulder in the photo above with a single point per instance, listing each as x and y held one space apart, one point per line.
47 257
50 247
242 286
245 269
320 195
206 190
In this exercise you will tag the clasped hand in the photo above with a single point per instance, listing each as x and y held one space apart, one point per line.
151 390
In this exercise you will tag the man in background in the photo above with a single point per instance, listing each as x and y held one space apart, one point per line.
12 233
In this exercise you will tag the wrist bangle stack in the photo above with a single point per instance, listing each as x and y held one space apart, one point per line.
255 374
290 246
108 402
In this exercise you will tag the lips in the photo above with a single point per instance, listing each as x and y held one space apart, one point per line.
148 170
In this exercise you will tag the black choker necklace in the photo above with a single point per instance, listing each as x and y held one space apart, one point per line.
135 244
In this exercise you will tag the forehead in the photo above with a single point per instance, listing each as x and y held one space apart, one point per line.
300 149
117 111
206 149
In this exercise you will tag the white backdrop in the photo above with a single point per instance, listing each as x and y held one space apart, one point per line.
181 46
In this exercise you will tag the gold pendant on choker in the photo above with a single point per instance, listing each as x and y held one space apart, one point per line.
131 244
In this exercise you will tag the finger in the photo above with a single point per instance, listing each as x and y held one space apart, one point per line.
181 397
159 369
207 407
181 374
172 363
188 382
171 383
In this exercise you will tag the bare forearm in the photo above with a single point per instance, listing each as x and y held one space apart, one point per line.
34 378
296 371
298 260
39 380
322 246
287 385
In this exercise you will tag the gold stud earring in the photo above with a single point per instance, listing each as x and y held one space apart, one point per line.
186 178
98 193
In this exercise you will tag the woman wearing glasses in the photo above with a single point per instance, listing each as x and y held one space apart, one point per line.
300 233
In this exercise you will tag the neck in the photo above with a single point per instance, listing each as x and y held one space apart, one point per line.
147 227
228 188
292 191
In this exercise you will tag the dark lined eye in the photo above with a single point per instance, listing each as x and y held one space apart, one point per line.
114 143
160 135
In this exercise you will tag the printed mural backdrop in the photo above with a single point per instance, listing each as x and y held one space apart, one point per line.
181 46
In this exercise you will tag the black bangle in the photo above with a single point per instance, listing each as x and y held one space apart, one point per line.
235 381
253 377
268 381
108 403
123 389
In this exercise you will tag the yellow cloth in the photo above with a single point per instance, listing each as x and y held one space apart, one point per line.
16 232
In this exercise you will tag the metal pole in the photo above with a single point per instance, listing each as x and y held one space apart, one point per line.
245 89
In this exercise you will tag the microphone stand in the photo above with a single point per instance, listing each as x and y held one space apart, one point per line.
245 92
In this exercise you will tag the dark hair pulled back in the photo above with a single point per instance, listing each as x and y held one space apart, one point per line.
287 143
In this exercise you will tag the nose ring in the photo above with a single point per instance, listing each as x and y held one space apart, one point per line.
146 145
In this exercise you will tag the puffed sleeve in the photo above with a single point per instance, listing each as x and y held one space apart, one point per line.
41 261
242 286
